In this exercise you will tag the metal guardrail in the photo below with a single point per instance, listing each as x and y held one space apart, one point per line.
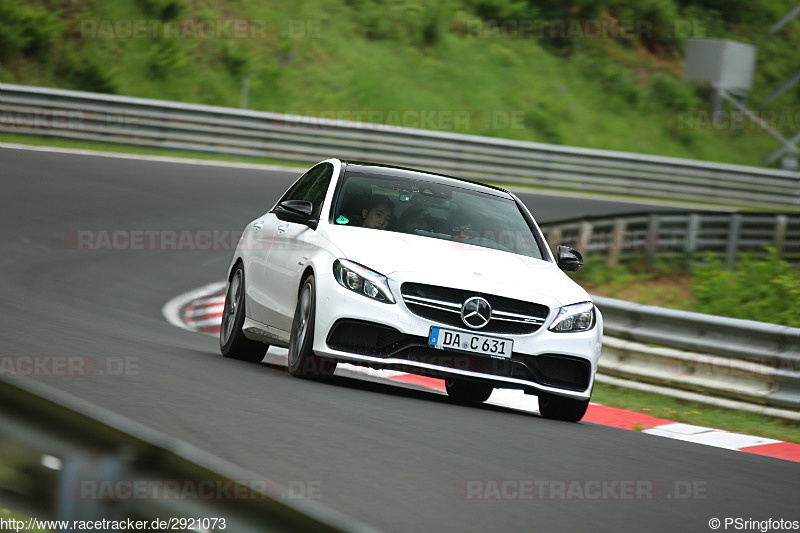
62 458
685 234
158 123
762 359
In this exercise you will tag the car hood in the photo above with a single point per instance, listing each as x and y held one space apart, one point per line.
439 262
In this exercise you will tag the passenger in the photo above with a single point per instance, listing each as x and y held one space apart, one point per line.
414 218
377 212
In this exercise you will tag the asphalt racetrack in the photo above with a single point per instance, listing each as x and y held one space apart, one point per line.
394 458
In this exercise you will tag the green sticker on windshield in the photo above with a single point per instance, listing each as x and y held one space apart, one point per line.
342 220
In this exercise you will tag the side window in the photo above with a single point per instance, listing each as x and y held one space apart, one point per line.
302 186
316 195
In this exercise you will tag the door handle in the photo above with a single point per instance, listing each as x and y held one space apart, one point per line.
258 225
282 228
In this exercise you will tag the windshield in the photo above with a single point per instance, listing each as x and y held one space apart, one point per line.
433 209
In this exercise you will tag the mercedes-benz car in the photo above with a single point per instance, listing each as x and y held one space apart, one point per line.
394 268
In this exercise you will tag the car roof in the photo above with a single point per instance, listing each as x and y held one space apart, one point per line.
404 172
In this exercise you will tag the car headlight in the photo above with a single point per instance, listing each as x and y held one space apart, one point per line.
362 280
571 318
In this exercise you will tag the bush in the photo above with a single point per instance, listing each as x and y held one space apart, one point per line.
544 124
166 56
163 9
235 58
497 9
26 30
611 77
674 94
760 287
86 72
597 271
409 21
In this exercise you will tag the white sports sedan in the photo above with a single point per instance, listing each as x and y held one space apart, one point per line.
400 269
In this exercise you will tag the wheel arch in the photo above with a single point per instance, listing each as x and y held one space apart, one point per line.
308 271
235 263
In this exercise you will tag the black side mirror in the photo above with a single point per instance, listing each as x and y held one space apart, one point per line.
296 211
568 259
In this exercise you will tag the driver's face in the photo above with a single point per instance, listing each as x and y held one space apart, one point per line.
377 217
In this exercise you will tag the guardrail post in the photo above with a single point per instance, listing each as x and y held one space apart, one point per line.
779 241
76 502
734 231
584 237
653 237
692 230
617 240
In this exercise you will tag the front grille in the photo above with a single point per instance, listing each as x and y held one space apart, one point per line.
443 305
367 338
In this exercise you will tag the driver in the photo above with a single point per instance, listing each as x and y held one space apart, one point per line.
462 227
377 212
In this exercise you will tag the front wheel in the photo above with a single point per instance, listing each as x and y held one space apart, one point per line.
302 360
232 342
467 391
561 408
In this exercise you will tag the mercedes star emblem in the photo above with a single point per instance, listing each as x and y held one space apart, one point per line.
476 312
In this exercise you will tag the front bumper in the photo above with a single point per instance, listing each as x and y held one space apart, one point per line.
355 329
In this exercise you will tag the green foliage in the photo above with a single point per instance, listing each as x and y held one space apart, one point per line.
545 124
671 93
759 287
610 77
498 9
413 22
26 29
612 93
235 58
163 9
596 271
166 56
87 72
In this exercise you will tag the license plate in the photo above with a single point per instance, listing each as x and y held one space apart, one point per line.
471 342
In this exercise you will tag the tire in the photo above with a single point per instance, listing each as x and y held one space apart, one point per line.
302 360
561 408
467 391
232 342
